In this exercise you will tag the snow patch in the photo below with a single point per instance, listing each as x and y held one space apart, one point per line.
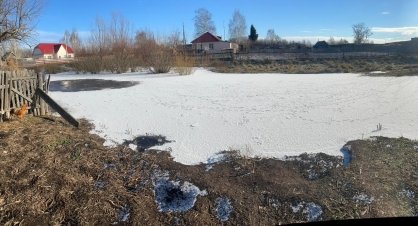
363 199
347 154
124 214
173 196
408 194
377 72
213 160
223 209
311 210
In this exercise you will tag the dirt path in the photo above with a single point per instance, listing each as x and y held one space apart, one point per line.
52 173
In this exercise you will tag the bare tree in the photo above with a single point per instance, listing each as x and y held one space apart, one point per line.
203 22
174 40
144 43
18 19
157 57
98 47
237 27
342 41
72 39
120 41
271 36
331 41
100 39
361 33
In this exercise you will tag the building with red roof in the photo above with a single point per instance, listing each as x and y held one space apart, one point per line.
210 43
53 51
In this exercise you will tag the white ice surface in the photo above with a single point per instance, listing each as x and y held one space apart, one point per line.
266 115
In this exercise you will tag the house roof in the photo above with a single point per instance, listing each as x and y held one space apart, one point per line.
51 48
321 44
207 37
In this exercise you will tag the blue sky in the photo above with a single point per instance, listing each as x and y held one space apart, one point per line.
390 20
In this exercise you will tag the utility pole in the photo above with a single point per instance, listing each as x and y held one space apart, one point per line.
184 37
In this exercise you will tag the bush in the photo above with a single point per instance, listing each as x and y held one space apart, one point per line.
184 64
160 60
92 64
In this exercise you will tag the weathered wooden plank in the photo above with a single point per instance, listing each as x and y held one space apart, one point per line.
40 86
25 78
2 90
7 95
20 94
57 107
46 91
20 89
13 84
27 92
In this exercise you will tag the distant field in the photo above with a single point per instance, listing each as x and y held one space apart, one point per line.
392 65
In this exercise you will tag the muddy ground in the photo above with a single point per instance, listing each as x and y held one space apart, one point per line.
54 174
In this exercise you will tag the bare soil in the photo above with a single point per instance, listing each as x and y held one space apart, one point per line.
54 174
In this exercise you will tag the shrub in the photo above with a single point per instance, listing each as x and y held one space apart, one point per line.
92 64
184 64
160 60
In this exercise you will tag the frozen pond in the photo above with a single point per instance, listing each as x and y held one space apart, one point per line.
267 115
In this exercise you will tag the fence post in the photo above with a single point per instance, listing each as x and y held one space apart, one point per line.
8 93
41 86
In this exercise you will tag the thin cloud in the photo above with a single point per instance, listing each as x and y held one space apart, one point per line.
49 36
385 13
406 31
327 29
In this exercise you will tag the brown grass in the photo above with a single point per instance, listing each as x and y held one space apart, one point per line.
54 174
184 64
394 66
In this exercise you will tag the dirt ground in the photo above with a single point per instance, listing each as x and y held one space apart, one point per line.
54 174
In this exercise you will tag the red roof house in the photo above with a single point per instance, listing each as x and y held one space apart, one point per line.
210 43
53 51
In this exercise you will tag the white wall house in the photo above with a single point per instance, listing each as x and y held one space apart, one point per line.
53 51
209 43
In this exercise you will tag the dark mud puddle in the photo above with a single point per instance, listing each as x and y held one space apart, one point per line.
88 85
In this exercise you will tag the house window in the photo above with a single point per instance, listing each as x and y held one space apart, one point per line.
211 46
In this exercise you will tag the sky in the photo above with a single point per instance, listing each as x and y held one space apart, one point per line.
313 20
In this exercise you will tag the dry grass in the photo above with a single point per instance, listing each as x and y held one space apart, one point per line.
184 64
55 174
394 66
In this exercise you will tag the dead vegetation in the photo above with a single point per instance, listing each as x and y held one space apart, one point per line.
53 173
392 65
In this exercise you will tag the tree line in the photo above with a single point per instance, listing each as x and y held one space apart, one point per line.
114 46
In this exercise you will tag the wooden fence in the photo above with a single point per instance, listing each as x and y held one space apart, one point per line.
19 87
